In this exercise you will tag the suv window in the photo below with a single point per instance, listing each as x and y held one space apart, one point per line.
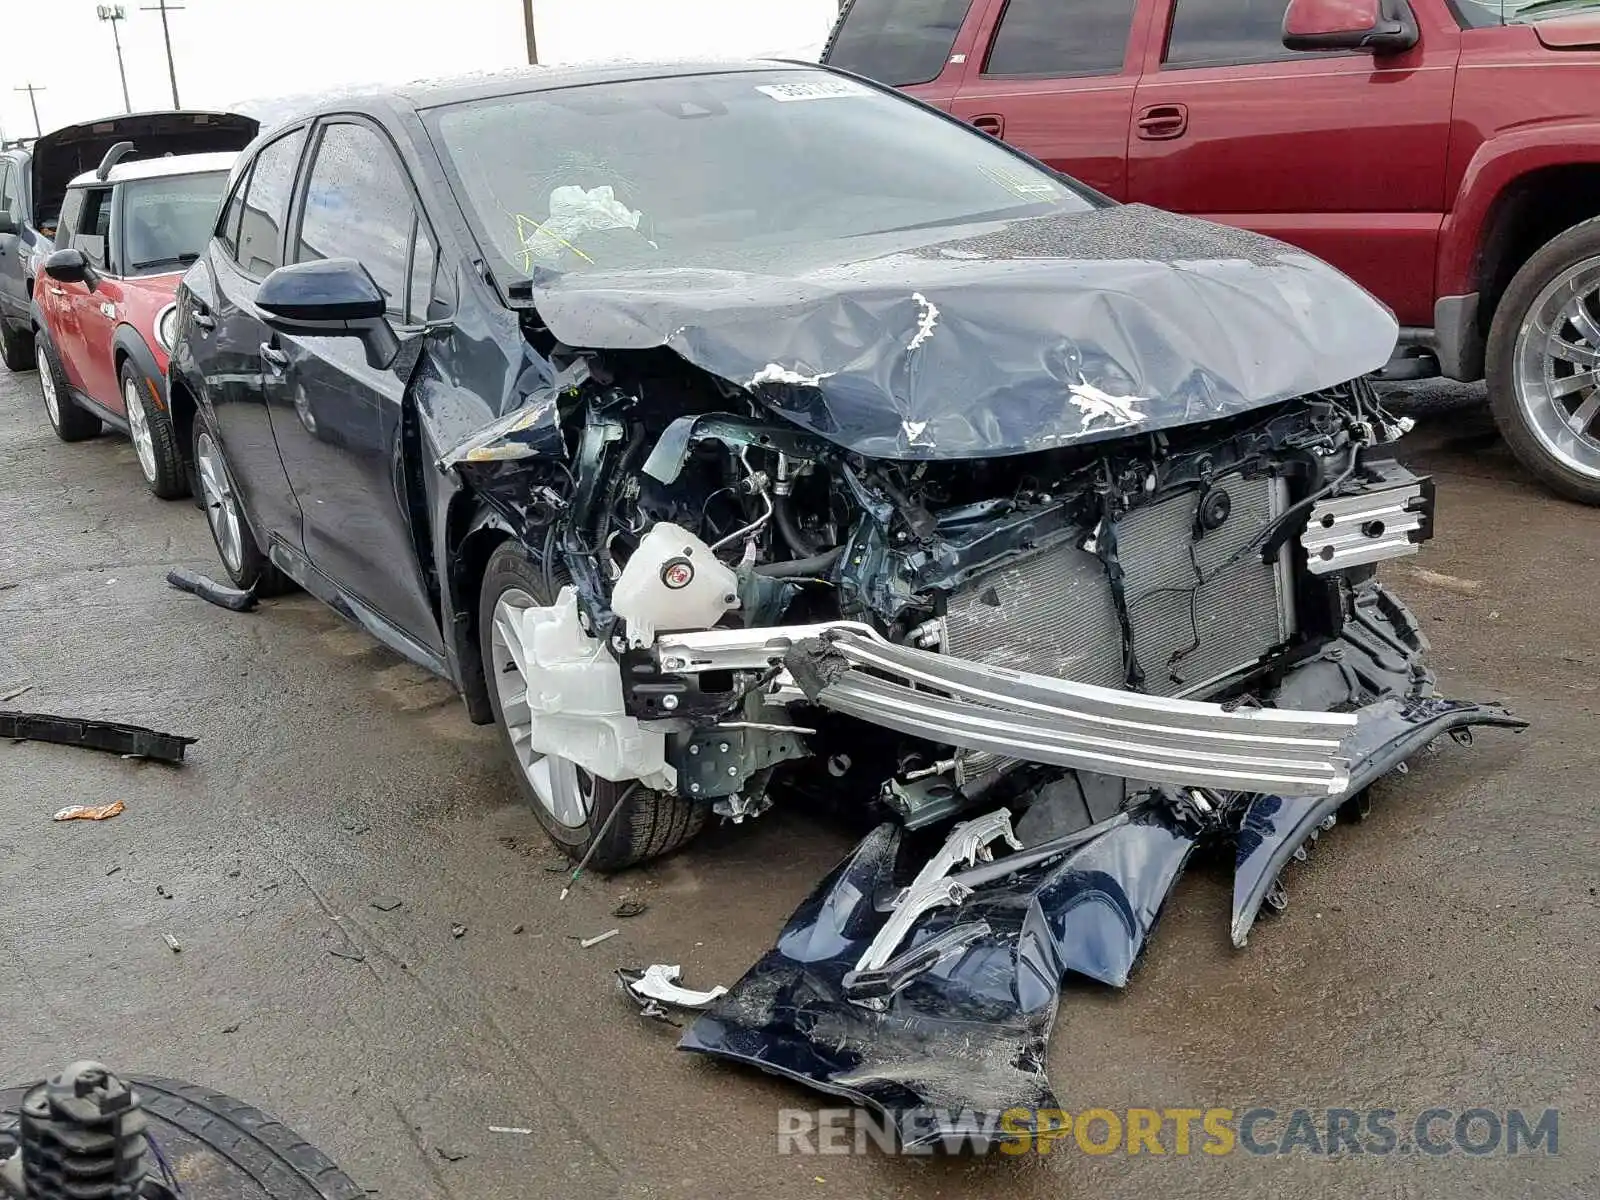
68 224
266 204
228 224
898 42
424 261
1219 32
7 199
1041 37
93 235
359 206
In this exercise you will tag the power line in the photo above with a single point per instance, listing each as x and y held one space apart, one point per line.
164 8
34 101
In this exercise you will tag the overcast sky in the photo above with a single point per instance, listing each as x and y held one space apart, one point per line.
230 52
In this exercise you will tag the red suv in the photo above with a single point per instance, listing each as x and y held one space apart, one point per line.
103 307
1444 153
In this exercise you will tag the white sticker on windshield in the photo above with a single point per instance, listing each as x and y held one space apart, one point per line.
817 89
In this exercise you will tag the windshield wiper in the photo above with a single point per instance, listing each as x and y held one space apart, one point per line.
181 259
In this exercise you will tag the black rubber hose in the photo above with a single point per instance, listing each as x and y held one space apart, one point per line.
789 528
801 567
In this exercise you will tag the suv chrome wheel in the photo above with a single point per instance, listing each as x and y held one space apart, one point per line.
565 792
139 428
1556 373
222 510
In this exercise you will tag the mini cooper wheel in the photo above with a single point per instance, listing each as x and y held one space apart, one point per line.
577 809
71 423
1544 364
154 439
16 348
242 557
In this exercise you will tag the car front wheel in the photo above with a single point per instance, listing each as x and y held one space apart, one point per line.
1544 364
579 811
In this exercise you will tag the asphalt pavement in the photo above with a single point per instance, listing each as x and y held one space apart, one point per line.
1440 954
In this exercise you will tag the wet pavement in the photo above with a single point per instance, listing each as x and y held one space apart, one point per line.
1441 954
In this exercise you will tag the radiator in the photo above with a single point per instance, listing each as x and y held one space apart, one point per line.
1053 613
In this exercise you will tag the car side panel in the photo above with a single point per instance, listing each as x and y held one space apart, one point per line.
99 313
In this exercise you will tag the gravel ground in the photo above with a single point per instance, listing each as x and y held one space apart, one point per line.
1441 954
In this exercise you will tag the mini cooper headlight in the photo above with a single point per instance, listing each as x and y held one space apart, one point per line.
167 326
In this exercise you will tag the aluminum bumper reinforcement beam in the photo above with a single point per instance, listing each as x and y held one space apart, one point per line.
850 669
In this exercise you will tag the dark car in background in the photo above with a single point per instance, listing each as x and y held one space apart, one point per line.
21 241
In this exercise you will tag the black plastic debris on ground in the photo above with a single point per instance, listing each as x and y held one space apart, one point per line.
135 741
209 590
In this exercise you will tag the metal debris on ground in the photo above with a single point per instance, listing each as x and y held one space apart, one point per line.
209 590
387 903
629 908
15 692
449 1155
90 812
458 930
585 943
658 984
172 943
516 929
509 1129
112 871
161 890
133 741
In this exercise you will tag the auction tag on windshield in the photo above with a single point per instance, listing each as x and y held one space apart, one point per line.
819 89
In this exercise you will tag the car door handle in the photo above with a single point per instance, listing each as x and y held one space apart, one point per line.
277 358
991 123
1162 122
201 318
55 291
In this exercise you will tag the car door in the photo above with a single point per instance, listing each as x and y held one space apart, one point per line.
248 246
341 438
1340 153
65 303
98 304
13 297
1058 81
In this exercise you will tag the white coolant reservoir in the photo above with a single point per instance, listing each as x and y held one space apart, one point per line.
672 582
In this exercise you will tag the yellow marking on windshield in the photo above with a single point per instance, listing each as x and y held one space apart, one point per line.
527 250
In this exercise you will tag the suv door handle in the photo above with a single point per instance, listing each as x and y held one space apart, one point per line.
991 123
276 358
1162 122
200 317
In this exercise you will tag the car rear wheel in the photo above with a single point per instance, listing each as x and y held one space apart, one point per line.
579 811
154 439
242 557
16 348
71 423
1544 364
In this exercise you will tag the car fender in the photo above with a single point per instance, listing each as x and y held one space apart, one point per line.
128 342
1494 166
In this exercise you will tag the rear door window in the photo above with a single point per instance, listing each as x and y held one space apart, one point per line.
1050 40
898 42
358 205
266 204
1207 33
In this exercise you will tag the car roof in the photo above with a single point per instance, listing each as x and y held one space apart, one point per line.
156 168
432 93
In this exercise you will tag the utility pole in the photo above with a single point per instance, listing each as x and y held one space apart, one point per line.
533 44
114 13
34 101
164 8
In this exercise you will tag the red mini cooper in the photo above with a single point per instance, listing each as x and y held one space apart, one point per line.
104 305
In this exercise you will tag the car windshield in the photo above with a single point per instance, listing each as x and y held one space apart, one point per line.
167 221
1479 14
695 171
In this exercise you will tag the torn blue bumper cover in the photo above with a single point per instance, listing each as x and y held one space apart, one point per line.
938 1014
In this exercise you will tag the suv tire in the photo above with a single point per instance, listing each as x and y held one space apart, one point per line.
1544 343
242 557
649 825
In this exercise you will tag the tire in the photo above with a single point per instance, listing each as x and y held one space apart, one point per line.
161 460
16 348
243 560
71 423
223 1145
650 824
1559 287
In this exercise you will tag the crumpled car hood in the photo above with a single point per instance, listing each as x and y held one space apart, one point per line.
1000 338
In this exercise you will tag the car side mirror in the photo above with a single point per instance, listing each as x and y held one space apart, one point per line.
1382 26
8 223
330 297
67 265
